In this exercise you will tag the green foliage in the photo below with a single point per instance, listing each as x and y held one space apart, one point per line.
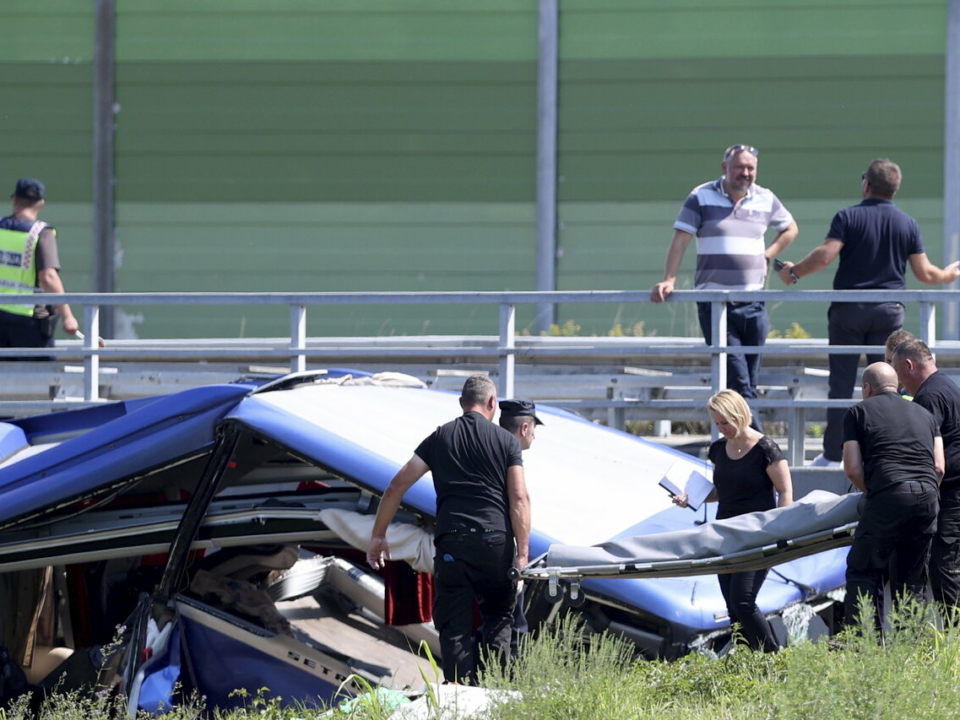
638 330
911 672
567 672
568 329
564 673
794 332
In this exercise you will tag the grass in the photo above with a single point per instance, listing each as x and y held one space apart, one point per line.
912 672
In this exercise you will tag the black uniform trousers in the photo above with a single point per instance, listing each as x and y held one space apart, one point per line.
892 542
22 331
945 551
740 593
472 565
853 324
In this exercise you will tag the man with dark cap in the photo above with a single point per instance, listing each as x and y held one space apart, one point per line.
519 418
483 526
29 262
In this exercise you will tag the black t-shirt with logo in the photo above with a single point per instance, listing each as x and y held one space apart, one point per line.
468 458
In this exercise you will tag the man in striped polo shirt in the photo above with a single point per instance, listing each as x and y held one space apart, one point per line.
730 217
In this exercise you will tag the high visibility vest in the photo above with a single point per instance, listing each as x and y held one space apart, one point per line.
18 260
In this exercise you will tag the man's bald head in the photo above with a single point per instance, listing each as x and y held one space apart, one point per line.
880 377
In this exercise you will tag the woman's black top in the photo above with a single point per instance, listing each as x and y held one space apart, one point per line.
743 485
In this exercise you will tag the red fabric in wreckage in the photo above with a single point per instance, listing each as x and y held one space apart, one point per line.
408 594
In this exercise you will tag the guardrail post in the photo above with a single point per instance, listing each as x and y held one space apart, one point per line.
718 323
796 437
928 323
91 357
298 337
508 326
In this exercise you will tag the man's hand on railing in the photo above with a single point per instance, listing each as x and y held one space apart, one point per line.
662 290
100 341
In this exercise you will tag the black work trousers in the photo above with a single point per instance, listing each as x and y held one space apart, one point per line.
467 566
892 542
853 324
945 550
740 593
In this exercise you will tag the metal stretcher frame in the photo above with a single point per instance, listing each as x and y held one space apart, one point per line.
765 556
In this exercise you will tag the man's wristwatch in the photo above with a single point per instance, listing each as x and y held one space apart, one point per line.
794 276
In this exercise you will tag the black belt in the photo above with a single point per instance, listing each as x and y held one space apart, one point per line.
473 530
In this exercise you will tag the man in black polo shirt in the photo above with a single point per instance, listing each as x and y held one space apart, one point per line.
875 240
933 390
483 526
893 452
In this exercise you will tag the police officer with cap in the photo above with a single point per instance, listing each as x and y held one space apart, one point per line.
29 262
519 417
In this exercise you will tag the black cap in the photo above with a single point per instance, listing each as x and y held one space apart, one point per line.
29 189
514 408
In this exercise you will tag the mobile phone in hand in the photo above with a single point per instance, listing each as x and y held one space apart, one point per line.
778 264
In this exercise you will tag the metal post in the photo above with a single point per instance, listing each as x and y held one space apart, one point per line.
928 326
796 437
718 360
951 160
298 337
547 160
508 325
91 360
104 237
718 320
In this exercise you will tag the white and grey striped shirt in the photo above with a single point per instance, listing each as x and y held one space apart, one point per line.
730 236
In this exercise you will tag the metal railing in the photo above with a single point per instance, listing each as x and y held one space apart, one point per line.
505 351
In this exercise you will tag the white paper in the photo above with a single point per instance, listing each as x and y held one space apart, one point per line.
694 483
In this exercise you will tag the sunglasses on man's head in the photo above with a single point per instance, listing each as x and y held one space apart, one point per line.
735 149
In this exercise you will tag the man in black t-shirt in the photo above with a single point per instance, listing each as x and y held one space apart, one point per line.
933 390
893 452
483 526
875 241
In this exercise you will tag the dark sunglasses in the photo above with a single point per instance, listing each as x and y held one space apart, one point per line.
734 149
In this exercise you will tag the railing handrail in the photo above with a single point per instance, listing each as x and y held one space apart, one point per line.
516 297
508 347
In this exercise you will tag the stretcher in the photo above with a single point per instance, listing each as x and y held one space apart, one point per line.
818 522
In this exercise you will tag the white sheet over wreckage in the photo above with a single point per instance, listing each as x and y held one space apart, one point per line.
409 543
763 539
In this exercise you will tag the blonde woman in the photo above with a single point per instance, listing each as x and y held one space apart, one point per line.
750 474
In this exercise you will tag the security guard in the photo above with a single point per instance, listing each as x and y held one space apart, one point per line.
29 262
